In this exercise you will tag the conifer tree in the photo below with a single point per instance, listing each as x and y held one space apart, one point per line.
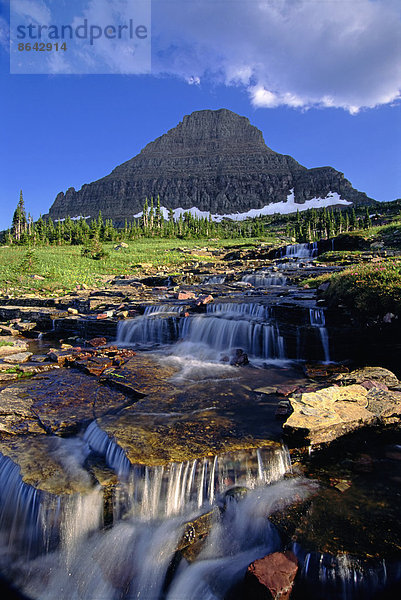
19 223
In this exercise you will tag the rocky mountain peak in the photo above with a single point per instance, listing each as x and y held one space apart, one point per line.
213 160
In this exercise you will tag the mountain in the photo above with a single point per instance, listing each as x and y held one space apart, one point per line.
215 161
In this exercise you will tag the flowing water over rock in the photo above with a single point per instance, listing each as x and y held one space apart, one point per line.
163 478
265 279
214 335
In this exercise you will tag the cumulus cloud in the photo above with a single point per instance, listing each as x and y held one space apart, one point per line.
295 53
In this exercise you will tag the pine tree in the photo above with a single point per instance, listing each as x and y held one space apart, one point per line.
19 223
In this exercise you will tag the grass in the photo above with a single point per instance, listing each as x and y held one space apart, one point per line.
3 343
64 268
369 290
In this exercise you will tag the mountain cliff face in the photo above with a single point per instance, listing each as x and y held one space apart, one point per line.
213 160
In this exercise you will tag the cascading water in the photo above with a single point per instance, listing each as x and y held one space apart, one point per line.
317 319
164 491
214 280
34 521
224 327
265 279
331 577
131 559
154 327
240 309
301 250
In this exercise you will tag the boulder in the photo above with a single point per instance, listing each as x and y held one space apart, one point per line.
239 358
324 415
271 577
376 374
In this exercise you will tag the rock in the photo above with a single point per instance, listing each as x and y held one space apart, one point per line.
9 345
185 296
25 326
95 366
120 246
323 287
369 384
196 530
20 357
45 464
56 403
240 358
97 341
370 374
72 311
322 416
271 577
61 357
204 300
214 160
388 317
6 330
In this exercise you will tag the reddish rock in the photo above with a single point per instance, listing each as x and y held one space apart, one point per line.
204 300
61 357
185 296
369 384
271 577
101 316
97 341
286 390
95 365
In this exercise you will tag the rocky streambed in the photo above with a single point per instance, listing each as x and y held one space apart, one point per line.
173 439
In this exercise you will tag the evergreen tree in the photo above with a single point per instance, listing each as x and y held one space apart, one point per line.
19 223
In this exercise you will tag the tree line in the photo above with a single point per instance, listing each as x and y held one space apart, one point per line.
306 226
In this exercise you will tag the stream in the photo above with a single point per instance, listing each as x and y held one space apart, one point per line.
186 523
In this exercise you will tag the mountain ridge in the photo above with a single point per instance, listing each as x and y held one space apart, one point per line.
214 160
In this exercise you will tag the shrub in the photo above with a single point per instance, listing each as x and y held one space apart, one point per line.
94 250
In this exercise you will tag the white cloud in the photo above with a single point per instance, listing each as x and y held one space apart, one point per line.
34 10
4 34
296 53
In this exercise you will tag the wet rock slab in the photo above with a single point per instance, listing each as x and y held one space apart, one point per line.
46 463
57 403
181 420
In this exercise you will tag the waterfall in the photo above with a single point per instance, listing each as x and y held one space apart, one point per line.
242 310
167 490
265 279
222 334
114 455
243 534
224 327
171 309
214 279
154 327
342 575
34 521
317 319
301 250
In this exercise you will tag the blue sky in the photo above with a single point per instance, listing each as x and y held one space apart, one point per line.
320 79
